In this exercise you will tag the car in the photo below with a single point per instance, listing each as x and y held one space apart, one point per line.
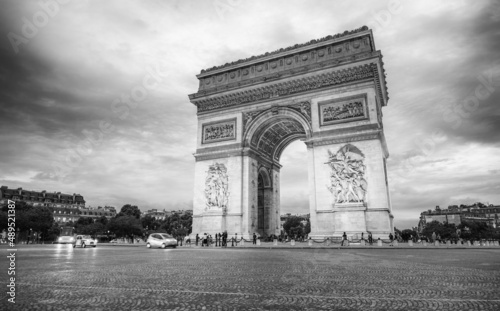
66 239
161 240
113 241
84 241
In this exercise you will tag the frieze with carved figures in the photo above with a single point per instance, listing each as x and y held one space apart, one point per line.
343 110
291 87
219 131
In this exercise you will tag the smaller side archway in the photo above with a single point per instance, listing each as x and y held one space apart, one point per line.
264 202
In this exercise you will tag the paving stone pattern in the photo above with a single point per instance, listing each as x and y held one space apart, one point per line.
56 277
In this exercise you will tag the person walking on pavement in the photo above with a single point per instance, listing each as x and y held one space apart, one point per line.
391 237
197 239
344 238
254 239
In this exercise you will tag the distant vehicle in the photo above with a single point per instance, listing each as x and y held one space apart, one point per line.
113 241
161 240
84 241
67 235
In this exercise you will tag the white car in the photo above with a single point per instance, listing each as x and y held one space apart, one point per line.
161 240
84 241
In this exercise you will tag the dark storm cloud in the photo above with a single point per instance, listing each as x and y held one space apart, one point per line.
91 53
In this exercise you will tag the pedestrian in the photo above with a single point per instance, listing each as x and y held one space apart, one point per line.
204 242
362 233
220 239
433 237
391 237
224 239
216 239
197 239
370 238
344 238
254 239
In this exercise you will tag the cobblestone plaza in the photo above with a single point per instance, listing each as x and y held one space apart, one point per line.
58 277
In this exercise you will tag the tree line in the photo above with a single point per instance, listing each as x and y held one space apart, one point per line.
37 222
466 230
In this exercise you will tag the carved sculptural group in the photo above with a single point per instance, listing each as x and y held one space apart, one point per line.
216 187
347 183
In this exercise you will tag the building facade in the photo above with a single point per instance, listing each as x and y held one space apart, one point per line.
42 198
66 207
457 214
162 215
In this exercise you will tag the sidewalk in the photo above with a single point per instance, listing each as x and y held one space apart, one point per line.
305 245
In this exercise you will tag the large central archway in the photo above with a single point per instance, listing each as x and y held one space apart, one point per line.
267 134
328 93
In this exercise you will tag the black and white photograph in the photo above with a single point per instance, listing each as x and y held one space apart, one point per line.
249 155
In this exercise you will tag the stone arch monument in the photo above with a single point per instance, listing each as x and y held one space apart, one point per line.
328 93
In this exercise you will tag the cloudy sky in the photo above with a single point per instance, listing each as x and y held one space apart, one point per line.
61 72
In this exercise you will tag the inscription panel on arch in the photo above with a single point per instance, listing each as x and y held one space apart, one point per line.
219 131
347 109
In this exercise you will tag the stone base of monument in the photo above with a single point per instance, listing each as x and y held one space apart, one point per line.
275 242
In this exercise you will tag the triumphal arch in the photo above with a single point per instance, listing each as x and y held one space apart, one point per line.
328 93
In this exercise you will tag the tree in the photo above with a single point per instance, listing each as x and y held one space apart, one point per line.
148 222
130 210
37 219
472 230
445 231
103 220
125 226
293 226
307 228
406 234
